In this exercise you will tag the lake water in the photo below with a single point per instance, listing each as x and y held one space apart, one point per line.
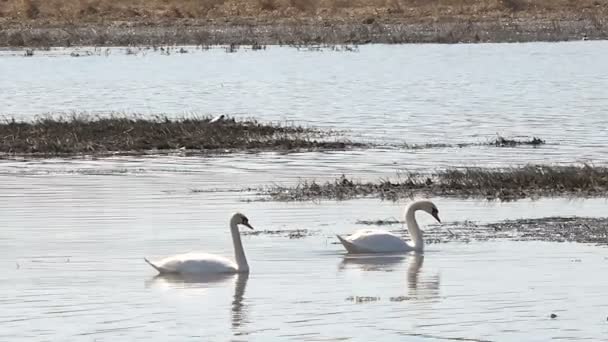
75 231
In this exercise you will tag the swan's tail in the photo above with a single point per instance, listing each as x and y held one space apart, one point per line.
350 247
160 270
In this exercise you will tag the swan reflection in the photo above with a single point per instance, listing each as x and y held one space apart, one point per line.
419 284
238 309
372 262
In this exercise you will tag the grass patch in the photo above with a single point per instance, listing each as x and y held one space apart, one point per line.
550 229
500 141
82 134
505 142
137 22
489 183
381 222
361 11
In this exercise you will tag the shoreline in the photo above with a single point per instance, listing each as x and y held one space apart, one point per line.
309 32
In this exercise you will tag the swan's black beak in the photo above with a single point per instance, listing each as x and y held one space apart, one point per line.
436 216
246 224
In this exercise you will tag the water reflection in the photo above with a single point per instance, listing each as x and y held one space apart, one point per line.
238 309
372 262
421 288
420 285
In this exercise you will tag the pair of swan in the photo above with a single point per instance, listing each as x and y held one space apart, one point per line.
362 241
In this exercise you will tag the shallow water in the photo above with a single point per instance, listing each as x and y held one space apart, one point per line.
72 249
382 93
75 230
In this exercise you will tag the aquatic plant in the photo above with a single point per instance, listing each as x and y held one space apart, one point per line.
553 229
84 134
489 183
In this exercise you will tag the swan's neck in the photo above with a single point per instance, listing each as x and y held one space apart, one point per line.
239 253
412 227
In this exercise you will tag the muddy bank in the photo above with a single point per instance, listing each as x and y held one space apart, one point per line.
302 33
81 134
552 229
488 183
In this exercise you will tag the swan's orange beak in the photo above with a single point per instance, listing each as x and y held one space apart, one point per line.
246 224
436 216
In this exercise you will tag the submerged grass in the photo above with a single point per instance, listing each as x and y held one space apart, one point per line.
489 183
83 134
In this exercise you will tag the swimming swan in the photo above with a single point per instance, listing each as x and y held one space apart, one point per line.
381 241
203 263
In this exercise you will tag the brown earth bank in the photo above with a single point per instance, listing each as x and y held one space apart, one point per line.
42 23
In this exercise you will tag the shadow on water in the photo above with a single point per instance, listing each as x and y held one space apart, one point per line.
238 309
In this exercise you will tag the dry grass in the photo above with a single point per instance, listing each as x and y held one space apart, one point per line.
80 134
503 184
353 10
44 23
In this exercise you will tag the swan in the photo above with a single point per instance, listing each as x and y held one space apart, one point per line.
203 263
381 241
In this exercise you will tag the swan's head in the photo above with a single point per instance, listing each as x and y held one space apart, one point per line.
239 218
430 208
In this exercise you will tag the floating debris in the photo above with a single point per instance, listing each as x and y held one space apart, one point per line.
362 299
290 233
399 299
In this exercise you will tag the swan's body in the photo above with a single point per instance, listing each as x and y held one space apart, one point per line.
374 241
204 263
381 241
193 263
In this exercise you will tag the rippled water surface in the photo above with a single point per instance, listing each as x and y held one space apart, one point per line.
75 231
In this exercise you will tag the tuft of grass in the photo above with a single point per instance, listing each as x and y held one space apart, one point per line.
505 142
83 134
514 5
503 184
268 5
304 5
29 9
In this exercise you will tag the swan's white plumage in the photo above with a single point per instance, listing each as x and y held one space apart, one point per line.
374 241
381 241
195 263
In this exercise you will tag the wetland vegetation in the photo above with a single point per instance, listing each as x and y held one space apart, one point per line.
83 134
489 183
39 23
552 229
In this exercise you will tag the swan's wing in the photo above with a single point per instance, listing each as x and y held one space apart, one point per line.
376 241
195 263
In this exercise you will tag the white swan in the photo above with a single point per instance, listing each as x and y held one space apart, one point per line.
203 263
381 241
